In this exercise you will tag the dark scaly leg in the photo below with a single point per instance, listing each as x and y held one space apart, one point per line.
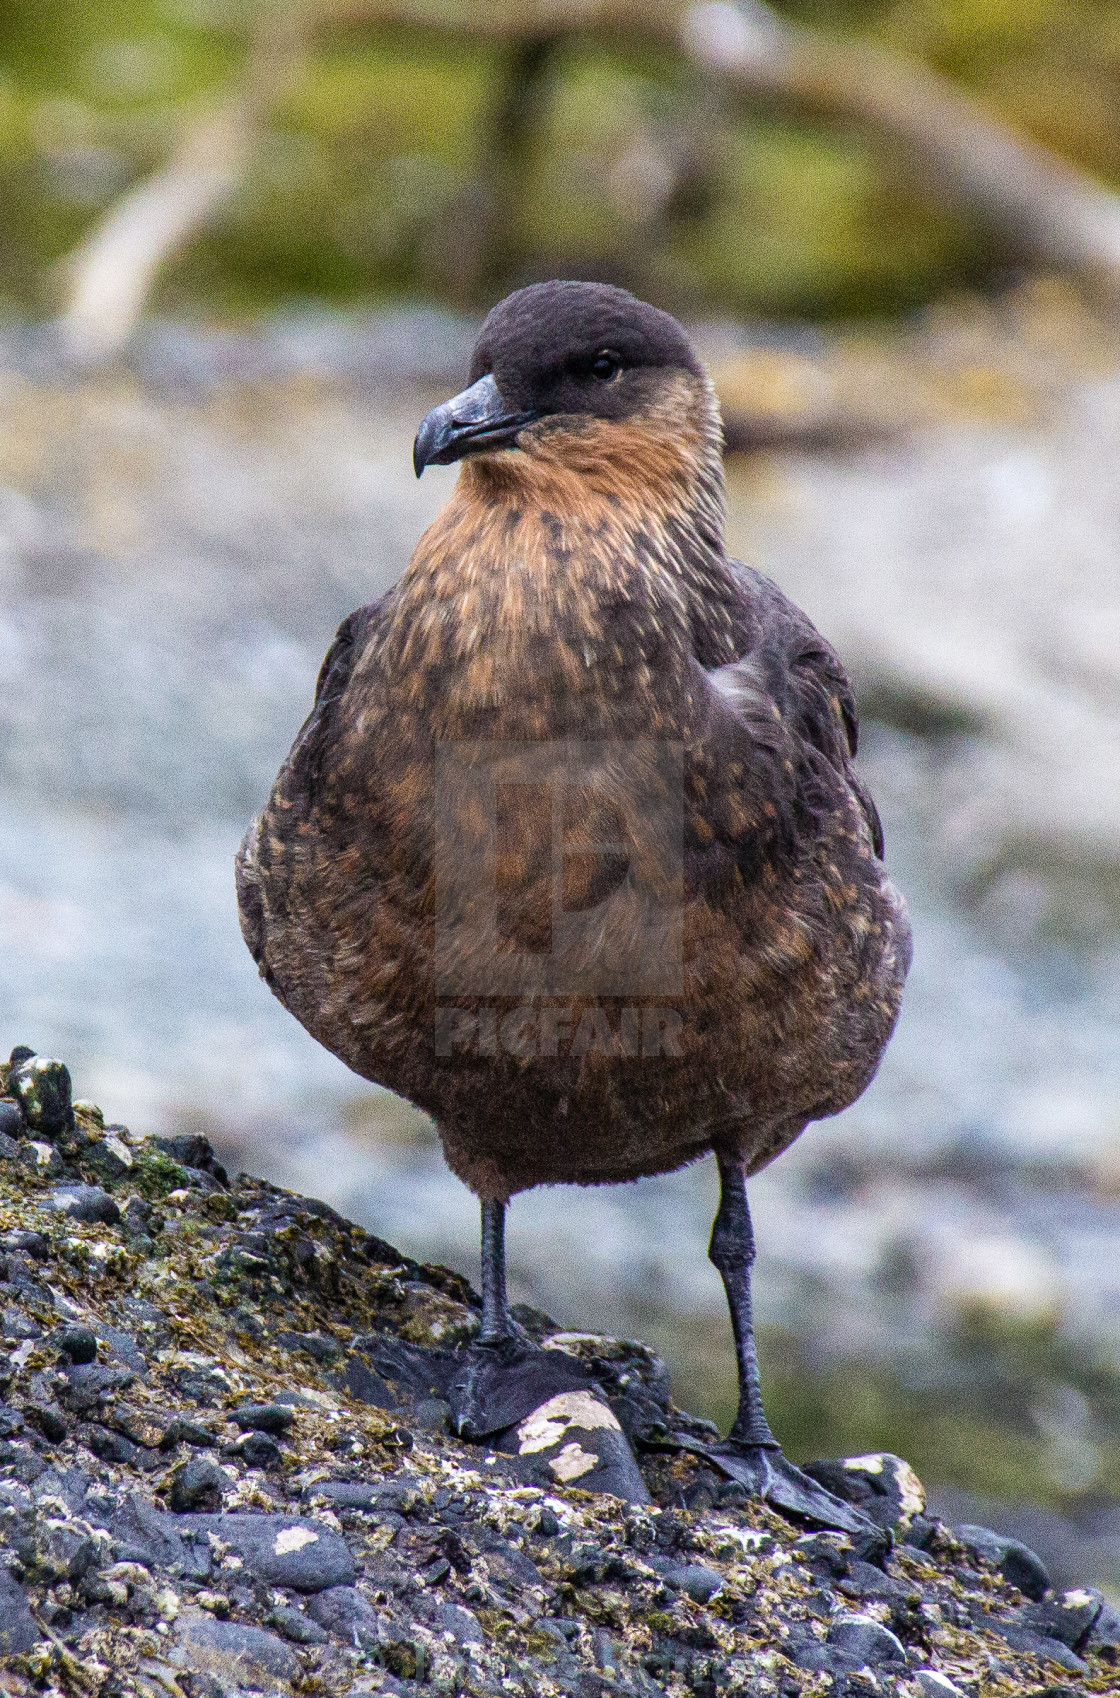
496 1322
732 1251
750 1453
502 1376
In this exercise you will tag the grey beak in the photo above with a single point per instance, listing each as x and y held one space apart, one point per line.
474 422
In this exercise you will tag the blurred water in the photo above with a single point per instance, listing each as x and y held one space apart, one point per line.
178 541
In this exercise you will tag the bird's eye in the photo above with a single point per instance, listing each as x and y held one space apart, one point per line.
605 365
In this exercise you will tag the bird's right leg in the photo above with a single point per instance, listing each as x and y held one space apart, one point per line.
502 1375
750 1453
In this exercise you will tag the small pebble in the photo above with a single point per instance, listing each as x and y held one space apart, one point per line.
88 1203
274 1418
76 1342
256 1450
297 1627
197 1485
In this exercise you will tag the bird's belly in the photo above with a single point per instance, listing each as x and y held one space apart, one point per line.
532 1089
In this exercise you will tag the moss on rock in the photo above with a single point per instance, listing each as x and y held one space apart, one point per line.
161 1541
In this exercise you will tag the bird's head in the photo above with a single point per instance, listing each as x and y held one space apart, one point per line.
583 373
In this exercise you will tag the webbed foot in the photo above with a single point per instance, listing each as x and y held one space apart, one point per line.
769 1475
499 1383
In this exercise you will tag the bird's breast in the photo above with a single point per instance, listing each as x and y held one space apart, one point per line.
516 622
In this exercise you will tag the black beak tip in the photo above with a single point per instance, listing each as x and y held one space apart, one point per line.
418 460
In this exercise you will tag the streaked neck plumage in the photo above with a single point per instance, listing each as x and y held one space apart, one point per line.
584 566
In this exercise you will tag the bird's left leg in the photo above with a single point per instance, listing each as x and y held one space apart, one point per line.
750 1453
496 1322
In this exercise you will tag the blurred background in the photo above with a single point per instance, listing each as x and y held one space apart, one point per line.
243 248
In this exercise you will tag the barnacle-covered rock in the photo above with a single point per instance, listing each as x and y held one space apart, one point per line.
42 1089
228 1462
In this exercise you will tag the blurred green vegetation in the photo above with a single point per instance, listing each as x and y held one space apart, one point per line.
1001 1407
406 164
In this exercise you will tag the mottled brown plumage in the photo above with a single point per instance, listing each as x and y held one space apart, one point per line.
576 587
574 592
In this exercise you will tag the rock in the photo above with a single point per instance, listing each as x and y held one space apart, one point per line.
124 1347
255 1450
46 1418
1038 1645
298 1627
342 1612
462 1623
574 1438
137 1217
455 1565
238 1655
197 1484
272 1418
933 1684
156 1539
182 1430
191 1150
11 1127
867 1640
883 1486
110 1155
1069 1618
42 1089
109 1445
76 1342
314 1344
17 1326
348 1494
18 1631
89 1385
1105 1635
27 1243
864 1580
40 1159
693 1579
1018 1565
281 1550
86 1202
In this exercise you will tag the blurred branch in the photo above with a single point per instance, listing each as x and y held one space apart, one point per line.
113 270
1044 206
1049 209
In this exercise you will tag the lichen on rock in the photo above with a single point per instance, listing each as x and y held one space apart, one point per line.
226 1465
